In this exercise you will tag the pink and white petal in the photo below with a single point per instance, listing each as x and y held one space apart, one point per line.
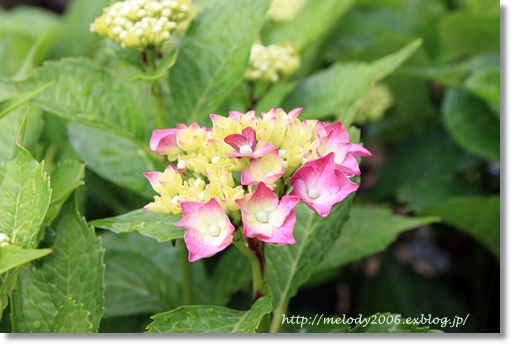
284 234
294 113
349 166
198 249
306 173
277 217
263 199
236 141
258 230
250 134
154 178
358 150
163 140
262 148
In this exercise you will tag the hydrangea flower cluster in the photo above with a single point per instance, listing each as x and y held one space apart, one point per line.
250 171
139 24
269 63
378 99
284 10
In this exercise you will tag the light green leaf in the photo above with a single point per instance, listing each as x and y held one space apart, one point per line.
369 230
471 124
485 84
11 103
37 53
74 271
24 198
76 38
65 177
117 159
87 93
158 226
479 217
12 256
467 34
29 21
289 266
71 318
205 319
144 276
320 16
328 91
213 57
487 7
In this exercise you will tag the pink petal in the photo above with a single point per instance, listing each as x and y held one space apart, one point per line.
358 151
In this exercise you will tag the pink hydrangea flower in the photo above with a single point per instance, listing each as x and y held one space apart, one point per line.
268 169
246 145
320 186
209 230
267 218
335 138
163 141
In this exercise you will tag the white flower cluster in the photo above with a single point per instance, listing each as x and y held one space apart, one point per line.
4 240
375 103
268 63
139 24
284 10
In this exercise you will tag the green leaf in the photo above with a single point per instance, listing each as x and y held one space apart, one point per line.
158 226
71 318
369 230
479 217
79 14
117 159
232 273
162 66
377 323
485 84
143 275
289 266
74 271
88 93
37 53
213 57
29 21
320 17
65 177
471 124
487 7
328 91
205 319
12 256
467 34
11 103
24 198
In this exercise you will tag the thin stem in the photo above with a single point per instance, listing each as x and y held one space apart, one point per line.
156 90
186 274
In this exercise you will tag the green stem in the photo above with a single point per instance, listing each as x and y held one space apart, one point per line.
186 274
156 90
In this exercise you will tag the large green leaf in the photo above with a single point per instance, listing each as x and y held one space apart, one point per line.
144 276
11 103
472 124
320 17
24 198
158 226
213 57
479 217
65 177
485 83
74 271
368 231
329 90
12 256
87 93
117 159
71 318
467 34
289 266
205 319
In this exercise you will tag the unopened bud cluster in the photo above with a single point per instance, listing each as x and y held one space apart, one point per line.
269 63
139 24
284 10
374 105
4 240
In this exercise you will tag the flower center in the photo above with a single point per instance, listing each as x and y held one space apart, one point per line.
214 230
245 149
313 193
262 217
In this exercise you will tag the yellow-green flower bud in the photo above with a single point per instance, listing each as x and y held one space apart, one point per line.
374 104
284 10
269 63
